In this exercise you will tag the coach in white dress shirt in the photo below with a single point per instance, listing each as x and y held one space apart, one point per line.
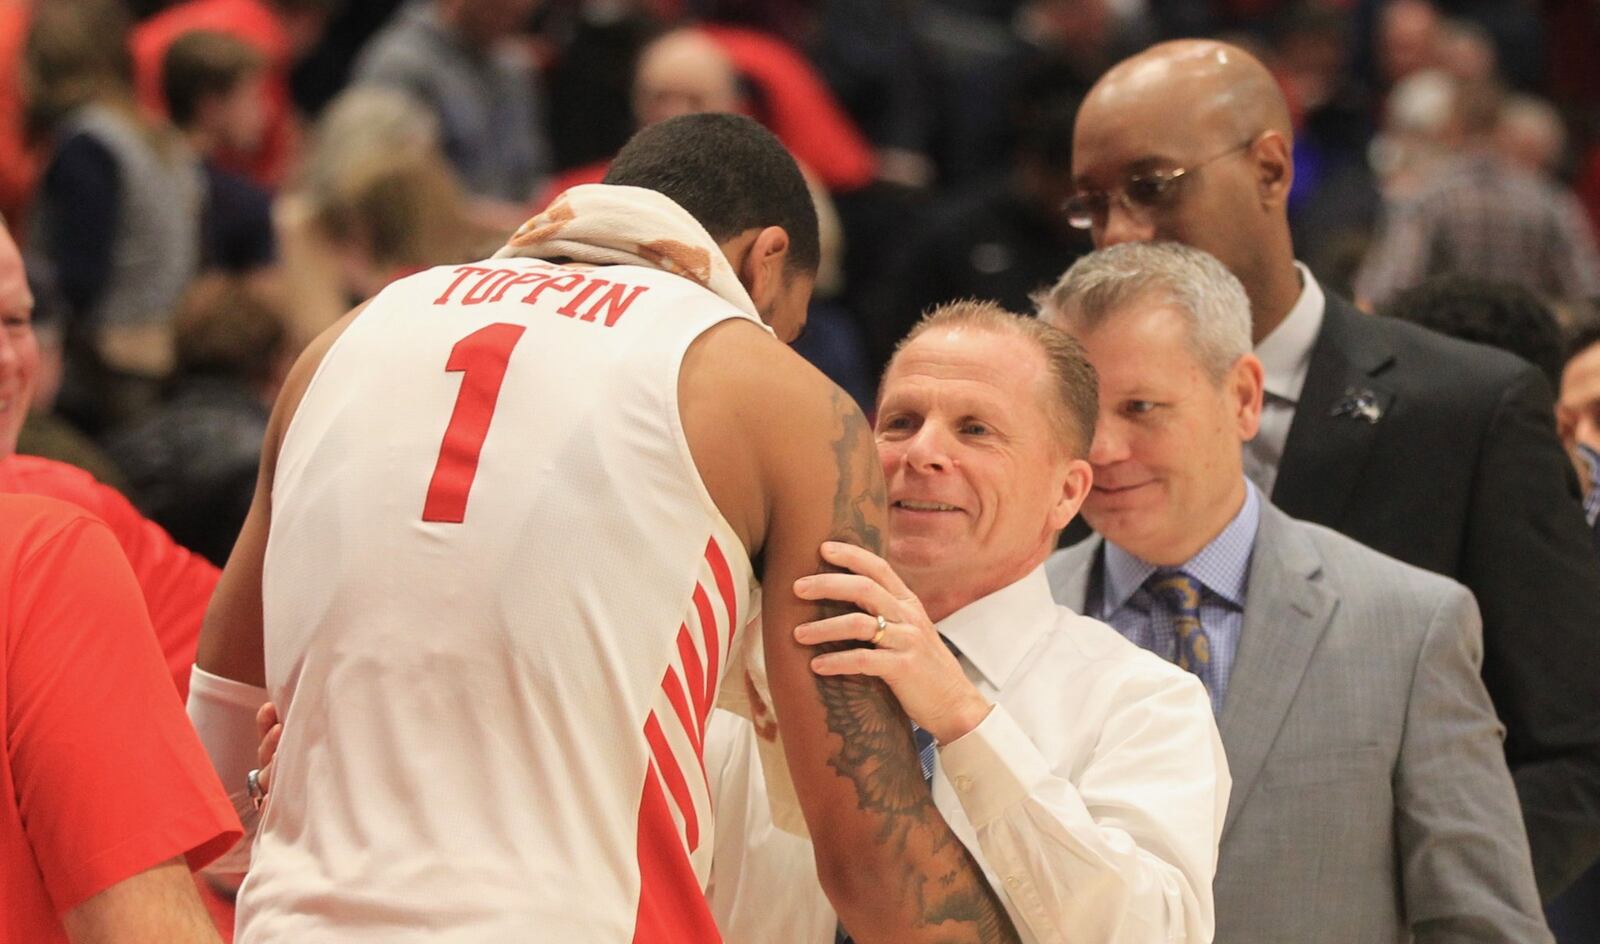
1085 774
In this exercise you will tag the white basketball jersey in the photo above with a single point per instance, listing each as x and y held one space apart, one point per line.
499 602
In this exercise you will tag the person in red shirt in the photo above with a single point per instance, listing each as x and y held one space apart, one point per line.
107 799
177 584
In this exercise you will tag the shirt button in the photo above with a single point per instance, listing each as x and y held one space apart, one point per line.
1012 882
963 783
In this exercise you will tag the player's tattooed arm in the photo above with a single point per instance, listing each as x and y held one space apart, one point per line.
929 868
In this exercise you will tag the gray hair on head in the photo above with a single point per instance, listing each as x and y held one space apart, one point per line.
1110 281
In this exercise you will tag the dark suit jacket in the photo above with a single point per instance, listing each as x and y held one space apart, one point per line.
1463 475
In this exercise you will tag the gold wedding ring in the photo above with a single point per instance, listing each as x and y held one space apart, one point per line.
883 624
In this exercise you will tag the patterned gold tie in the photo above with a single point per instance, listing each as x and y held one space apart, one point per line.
1181 593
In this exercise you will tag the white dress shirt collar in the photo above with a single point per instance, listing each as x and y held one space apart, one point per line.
996 632
1286 352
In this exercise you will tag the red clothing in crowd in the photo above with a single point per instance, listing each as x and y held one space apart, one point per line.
101 775
177 584
256 23
18 169
798 107
794 104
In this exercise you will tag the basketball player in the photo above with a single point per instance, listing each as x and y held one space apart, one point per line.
500 561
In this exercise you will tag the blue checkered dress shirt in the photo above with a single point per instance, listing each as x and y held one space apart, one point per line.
1222 567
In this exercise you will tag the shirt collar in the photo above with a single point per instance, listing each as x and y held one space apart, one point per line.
1223 565
1286 352
997 631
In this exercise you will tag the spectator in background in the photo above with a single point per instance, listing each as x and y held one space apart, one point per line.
1482 216
1499 314
678 73
107 799
192 464
1416 139
1002 240
177 584
1530 134
280 30
465 61
375 198
116 220
214 87
1407 39
1466 51
1578 413
727 69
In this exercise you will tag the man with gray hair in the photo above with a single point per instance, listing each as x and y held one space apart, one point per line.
1371 799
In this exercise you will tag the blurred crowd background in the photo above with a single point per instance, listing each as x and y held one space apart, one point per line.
199 187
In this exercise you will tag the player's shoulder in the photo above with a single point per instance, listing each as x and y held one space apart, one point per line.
744 359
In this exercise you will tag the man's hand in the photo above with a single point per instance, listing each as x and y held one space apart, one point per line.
270 730
908 654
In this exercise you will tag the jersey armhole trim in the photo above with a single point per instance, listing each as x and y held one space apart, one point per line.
681 440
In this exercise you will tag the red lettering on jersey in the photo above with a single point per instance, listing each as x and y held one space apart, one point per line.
616 302
570 309
563 283
496 279
462 273
526 278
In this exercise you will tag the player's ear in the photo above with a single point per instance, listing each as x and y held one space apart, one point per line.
762 268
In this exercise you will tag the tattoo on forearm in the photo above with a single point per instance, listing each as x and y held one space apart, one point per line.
878 754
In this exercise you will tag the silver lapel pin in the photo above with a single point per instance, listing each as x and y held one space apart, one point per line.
1359 404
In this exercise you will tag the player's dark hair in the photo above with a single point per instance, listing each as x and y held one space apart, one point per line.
729 173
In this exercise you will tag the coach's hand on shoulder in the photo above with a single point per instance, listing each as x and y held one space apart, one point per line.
902 646
270 730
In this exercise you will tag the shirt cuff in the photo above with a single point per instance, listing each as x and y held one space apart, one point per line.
992 767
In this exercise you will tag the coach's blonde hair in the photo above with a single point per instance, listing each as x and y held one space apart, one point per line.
1075 400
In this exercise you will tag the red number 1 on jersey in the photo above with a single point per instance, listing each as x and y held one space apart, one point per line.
481 357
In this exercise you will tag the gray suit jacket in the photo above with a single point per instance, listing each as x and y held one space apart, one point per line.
1371 800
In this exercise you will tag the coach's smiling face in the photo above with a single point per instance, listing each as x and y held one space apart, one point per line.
978 479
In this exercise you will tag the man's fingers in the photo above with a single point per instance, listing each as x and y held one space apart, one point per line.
874 662
864 562
864 592
266 717
268 748
850 627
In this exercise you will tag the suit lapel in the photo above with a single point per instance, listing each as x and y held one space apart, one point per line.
1326 452
1285 615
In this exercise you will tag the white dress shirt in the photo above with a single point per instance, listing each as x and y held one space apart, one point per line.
1286 355
1093 794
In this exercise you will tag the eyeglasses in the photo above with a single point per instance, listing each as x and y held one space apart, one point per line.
1140 194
